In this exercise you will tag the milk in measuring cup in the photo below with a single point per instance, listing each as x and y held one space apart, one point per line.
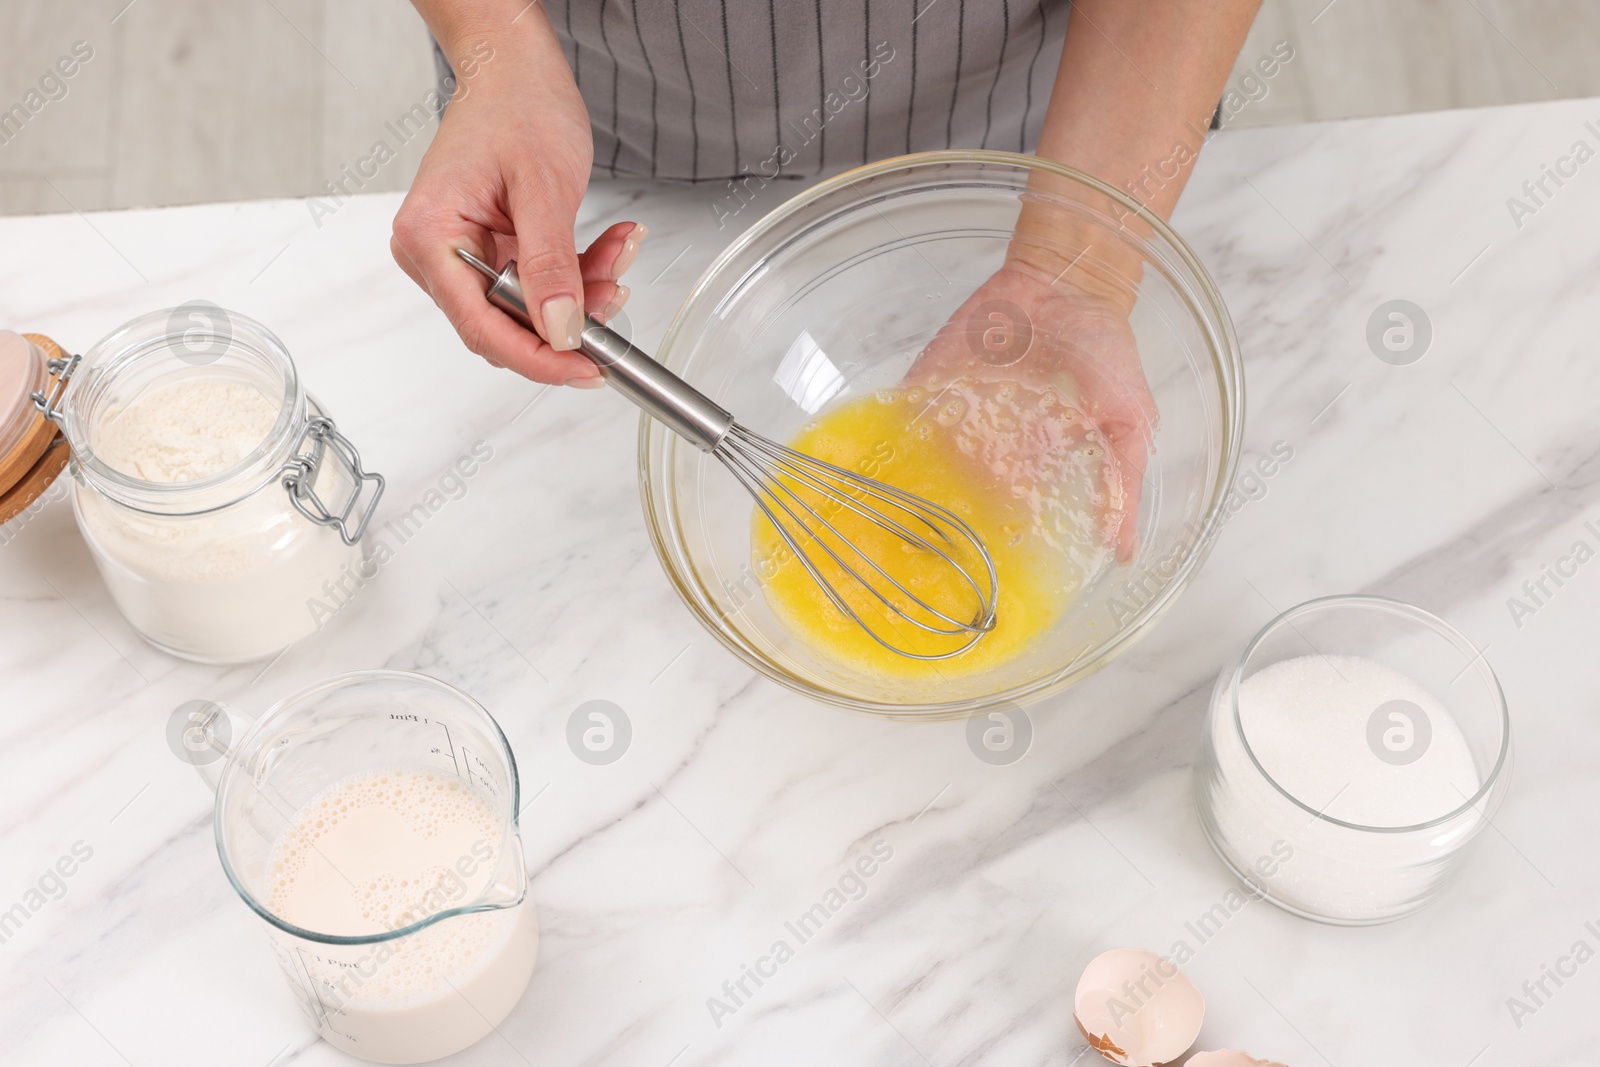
380 851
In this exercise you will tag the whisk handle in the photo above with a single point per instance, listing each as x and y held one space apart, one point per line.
669 399
675 403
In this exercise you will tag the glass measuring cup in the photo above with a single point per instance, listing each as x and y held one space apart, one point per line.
445 964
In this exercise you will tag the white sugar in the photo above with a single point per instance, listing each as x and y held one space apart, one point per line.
1308 720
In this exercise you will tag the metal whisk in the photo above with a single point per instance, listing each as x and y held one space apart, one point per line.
801 495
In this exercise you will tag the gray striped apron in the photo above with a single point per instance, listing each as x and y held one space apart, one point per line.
707 90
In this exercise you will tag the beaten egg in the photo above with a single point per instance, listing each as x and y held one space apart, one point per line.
1023 468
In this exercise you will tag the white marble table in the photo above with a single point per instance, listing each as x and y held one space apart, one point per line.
1447 483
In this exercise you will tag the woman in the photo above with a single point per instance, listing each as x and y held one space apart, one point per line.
756 90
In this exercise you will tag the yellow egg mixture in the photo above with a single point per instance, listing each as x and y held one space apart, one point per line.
1029 474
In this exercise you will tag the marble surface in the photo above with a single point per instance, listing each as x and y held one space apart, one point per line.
1448 483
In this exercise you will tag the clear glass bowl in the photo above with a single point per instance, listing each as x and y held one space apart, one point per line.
833 295
1355 804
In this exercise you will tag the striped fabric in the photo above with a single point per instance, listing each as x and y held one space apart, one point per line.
706 90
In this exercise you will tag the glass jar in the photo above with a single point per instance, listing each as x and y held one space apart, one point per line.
230 565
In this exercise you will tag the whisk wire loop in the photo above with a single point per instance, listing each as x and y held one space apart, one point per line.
771 472
795 464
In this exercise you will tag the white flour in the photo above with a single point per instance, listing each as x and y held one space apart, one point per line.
228 586
185 431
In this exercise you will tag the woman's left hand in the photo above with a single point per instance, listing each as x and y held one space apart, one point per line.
1059 334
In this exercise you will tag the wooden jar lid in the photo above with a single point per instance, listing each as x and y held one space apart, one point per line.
28 469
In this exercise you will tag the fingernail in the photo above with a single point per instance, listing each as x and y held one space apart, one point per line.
563 322
614 305
625 258
640 232
593 381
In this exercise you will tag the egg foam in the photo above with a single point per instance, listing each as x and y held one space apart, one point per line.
1026 470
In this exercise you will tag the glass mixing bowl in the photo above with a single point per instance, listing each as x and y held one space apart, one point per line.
834 295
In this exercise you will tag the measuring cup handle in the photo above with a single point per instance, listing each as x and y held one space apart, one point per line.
201 733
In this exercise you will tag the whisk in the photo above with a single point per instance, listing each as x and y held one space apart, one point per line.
802 495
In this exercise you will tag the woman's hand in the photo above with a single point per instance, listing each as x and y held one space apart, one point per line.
1073 338
503 179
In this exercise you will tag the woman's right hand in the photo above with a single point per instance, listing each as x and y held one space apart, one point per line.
503 179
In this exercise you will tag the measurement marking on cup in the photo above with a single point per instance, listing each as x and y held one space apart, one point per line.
466 757
451 742
316 994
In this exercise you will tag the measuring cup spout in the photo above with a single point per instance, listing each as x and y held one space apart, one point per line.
510 883
201 733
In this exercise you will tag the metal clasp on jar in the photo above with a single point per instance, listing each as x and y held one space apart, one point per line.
49 403
300 475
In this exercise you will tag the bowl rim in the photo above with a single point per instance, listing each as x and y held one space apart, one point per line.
1230 367
1489 792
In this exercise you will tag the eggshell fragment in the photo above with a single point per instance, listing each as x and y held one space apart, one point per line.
1136 1008
1228 1057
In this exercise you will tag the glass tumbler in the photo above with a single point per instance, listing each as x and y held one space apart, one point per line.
466 949
1351 756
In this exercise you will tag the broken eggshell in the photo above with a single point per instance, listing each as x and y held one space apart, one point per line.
1228 1057
1136 1008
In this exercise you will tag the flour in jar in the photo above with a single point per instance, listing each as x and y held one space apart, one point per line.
227 572
187 430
